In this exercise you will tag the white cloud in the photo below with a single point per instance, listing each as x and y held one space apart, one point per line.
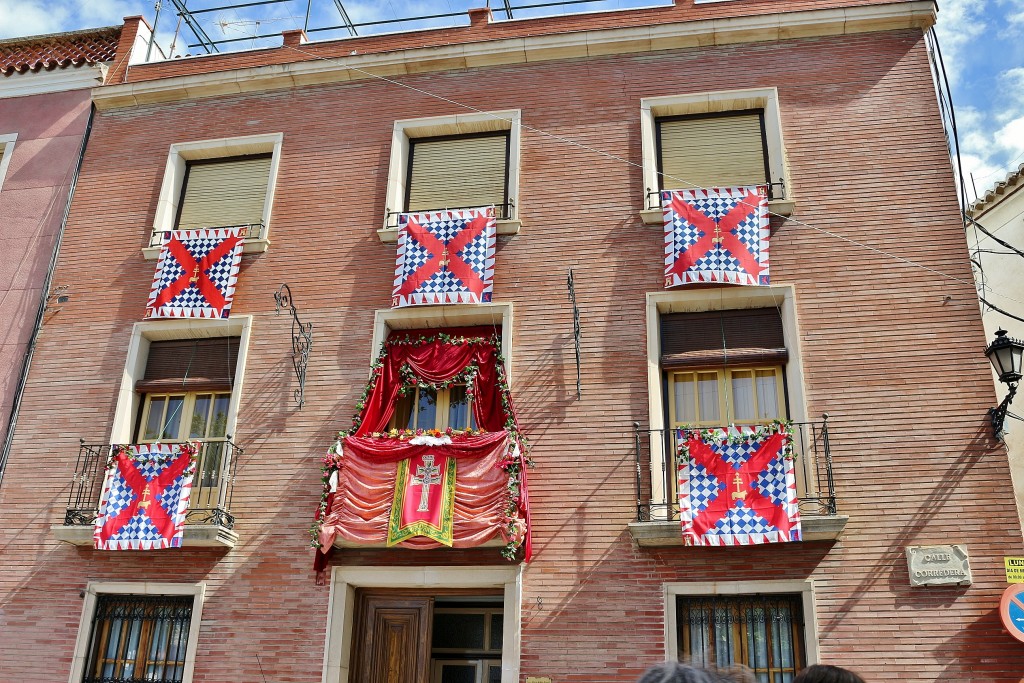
31 17
959 23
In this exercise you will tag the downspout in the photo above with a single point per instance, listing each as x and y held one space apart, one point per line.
43 301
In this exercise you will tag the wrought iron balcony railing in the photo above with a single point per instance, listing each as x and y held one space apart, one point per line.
655 452
212 485
253 231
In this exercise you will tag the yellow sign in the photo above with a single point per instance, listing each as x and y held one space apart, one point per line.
1014 569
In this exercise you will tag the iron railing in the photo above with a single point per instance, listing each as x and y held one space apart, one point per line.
502 212
656 489
212 485
253 231
776 191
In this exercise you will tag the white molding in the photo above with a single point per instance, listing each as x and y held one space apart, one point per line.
457 124
729 30
804 587
7 141
59 80
94 588
128 400
174 175
345 580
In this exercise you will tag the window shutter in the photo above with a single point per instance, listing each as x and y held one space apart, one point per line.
190 365
225 193
457 172
751 336
716 151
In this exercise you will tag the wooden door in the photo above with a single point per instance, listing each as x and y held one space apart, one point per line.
391 642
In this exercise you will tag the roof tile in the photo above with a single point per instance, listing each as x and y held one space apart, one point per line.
58 50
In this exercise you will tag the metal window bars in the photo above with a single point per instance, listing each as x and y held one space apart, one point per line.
253 231
653 197
502 212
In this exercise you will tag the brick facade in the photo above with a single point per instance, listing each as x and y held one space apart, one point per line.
892 351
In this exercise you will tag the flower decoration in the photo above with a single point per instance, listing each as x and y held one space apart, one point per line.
734 436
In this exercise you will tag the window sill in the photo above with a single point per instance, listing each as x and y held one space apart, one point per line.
248 247
505 227
666 533
196 535
783 207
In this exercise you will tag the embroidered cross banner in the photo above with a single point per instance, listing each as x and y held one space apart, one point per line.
424 502
145 497
716 235
196 273
445 257
737 487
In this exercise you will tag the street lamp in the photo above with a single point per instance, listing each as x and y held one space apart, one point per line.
1005 354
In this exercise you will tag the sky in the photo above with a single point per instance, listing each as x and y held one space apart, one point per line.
982 43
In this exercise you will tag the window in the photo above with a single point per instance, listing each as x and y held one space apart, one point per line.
715 398
453 162
425 408
762 631
139 638
466 642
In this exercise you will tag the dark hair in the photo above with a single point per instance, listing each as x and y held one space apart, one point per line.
825 673
675 672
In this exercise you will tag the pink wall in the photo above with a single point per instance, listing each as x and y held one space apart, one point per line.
32 201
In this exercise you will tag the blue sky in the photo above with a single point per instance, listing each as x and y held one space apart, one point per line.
982 42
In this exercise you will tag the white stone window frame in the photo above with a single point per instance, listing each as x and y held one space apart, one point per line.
346 579
436 126
94 588
782 297
804 587
181 153
765 99
7 151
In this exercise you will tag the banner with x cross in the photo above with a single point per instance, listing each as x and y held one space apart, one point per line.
196 273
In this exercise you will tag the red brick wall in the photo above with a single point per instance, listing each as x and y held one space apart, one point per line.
892 351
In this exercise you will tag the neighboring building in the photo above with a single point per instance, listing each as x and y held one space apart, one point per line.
566 125
1001 271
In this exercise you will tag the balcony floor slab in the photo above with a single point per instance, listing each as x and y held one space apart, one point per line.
196 535
667 533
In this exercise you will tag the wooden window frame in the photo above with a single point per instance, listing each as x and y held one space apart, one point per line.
191 163
413 142
187 412
726 408
442 408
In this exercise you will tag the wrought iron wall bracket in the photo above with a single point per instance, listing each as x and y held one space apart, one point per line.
302 340
570 282
998 414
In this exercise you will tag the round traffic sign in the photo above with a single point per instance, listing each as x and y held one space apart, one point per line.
1011 610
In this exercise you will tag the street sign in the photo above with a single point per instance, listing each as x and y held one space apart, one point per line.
1014 569
1011 611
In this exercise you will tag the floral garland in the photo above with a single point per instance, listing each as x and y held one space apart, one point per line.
734 436
190 448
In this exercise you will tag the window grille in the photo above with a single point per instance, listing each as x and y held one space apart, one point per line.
763 632
139 638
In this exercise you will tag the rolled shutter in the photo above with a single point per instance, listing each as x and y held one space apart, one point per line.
750 336
716 151
225 193
457 172
190 365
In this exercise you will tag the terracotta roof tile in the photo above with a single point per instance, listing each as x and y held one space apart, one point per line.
58 50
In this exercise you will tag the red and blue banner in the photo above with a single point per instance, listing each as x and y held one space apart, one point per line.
196 273
737 486
145 497
716 235
445 257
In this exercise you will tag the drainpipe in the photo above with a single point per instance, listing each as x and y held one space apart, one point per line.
43 300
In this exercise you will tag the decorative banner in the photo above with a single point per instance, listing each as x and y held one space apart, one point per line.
445 257
424 499
737 486
145 497
716 235
196 273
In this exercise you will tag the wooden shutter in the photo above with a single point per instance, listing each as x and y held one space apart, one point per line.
224 192
751 336
190 365
457 172
712 151
391 641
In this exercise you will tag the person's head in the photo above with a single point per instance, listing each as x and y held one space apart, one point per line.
676 672
824 673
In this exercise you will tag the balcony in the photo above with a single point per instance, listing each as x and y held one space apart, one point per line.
209 522
657 509
256 241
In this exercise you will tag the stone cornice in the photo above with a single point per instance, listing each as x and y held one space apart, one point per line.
768 27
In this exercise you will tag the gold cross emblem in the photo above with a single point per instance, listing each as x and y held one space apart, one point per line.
739 493
444 257
717 239
195 275
144 503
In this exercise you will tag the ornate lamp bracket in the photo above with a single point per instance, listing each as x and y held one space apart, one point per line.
302 340
998 414
570 282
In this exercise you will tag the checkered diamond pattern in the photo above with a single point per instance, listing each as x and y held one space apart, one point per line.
737 486
445 257
145 497
196 273
716 235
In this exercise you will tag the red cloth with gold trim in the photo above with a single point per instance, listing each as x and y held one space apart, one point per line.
445 257
735 490
716 235
196 273
145 497
424 502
